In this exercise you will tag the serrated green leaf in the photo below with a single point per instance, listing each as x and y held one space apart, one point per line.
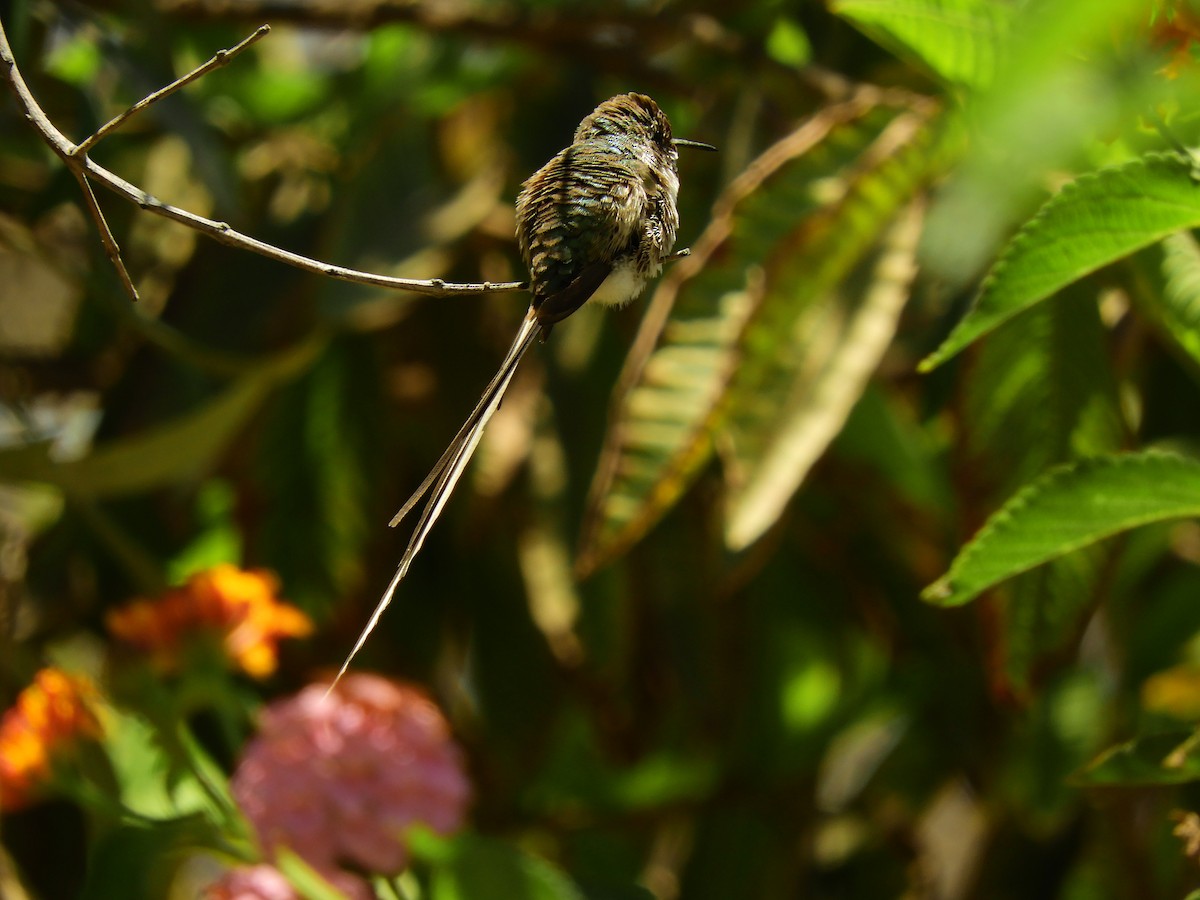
1068 508
479 868
179 450
782 235
1157 759
958 40
1093 221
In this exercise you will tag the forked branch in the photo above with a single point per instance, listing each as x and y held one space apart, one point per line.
75 157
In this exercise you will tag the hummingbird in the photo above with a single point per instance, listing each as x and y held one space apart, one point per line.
594 225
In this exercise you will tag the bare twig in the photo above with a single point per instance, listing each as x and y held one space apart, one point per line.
111 248
80 164
221 58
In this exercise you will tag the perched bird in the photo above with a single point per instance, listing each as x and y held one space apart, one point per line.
594 224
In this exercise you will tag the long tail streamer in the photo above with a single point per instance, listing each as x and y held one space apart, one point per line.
439 484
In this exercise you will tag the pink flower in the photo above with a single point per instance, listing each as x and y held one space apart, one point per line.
340 779
265 882
251 883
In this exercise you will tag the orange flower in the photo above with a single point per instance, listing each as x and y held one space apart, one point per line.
47 719
238 606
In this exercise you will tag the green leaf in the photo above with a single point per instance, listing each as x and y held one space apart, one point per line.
788 43
176 451
1157 759
783 234
216 539
1178 306
76 59
1093 221
150 783
1068 508
304 878
479 868
958 40
780 426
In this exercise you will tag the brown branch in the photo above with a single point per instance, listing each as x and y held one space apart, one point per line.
221 58
83 167
111 248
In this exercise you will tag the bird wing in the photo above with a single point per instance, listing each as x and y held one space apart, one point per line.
574 217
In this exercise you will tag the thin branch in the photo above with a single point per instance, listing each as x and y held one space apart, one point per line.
111 248
218 231
221 58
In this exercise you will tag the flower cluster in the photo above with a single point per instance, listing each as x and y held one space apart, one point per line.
339 779
49 717
240 607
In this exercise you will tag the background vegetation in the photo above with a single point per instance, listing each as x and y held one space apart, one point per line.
748 695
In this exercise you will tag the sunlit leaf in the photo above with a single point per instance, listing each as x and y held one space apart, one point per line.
788 42
76 59
779 427
785 232
151 784
307 880
1093 221
1071 507
959 40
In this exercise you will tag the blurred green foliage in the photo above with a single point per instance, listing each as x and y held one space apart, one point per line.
747 696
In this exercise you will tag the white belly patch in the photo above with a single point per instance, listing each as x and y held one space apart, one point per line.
621 286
